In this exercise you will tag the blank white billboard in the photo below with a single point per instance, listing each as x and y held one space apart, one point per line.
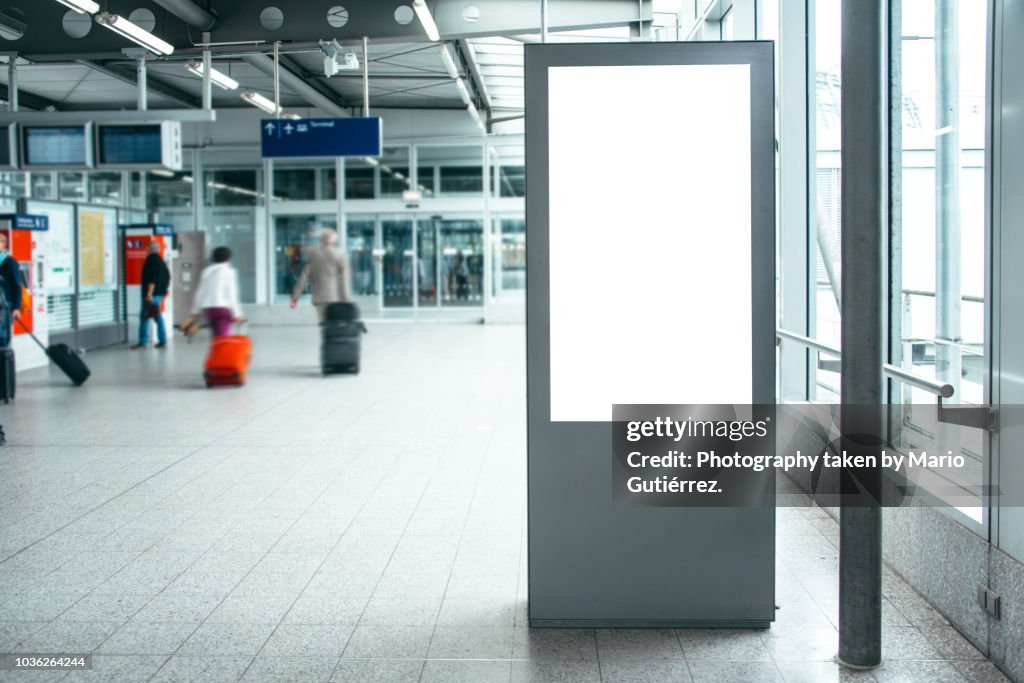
650 237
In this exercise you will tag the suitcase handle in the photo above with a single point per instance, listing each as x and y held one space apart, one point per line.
34 337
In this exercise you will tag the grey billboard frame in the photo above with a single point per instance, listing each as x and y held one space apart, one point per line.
593 563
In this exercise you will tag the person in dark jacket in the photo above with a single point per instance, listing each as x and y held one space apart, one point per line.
156 279
10 291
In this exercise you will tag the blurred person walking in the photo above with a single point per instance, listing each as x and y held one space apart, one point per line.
156 279
328 272
216 297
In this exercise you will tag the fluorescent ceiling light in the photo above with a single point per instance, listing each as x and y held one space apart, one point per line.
137 34
219 79
371 161
449 63
81 6
420 6
293 117
258 100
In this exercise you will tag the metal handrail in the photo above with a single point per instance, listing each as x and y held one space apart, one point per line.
940 389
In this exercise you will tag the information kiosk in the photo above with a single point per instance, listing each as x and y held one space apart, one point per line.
650 280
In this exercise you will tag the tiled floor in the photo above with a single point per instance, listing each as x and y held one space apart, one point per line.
364 528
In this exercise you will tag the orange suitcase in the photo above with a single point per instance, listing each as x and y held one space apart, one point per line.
227 363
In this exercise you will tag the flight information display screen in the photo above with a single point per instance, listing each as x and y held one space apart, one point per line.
55 146
130 144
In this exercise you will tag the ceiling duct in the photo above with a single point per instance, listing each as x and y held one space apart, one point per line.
189 12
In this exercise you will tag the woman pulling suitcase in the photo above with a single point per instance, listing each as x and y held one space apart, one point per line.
216 298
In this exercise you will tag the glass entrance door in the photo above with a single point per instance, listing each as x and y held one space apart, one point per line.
293 236
427 261
364 262
398 262
462 261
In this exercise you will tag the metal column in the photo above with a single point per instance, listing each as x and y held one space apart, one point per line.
12 82
947 194
864 177
141 71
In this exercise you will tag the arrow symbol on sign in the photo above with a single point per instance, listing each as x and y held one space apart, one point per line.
269 128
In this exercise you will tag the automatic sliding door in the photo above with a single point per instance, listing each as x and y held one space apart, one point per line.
427 262
363 262
398 262
462 261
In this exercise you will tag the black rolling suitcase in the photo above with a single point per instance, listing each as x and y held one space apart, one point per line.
7 375
66 359
342 340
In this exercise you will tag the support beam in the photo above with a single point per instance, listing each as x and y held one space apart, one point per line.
128 75
474 72
189 12
864 138
297 85
28 100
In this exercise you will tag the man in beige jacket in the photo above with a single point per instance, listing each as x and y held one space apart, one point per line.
327 271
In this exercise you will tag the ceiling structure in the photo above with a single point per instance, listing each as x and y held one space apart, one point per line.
67 62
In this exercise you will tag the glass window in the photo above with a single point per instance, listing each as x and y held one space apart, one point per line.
42 186
294 183
231 187
105 187
137 190
425 180
329 183
459 168
359 179
71 186
12 188
940 228
394 171
511 181
729 25
826 202
166 189
462 179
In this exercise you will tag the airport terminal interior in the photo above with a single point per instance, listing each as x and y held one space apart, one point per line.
437 509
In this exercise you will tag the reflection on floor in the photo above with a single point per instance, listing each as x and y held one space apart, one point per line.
364 528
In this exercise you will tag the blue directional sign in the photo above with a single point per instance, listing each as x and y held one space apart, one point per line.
24 221
343 137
